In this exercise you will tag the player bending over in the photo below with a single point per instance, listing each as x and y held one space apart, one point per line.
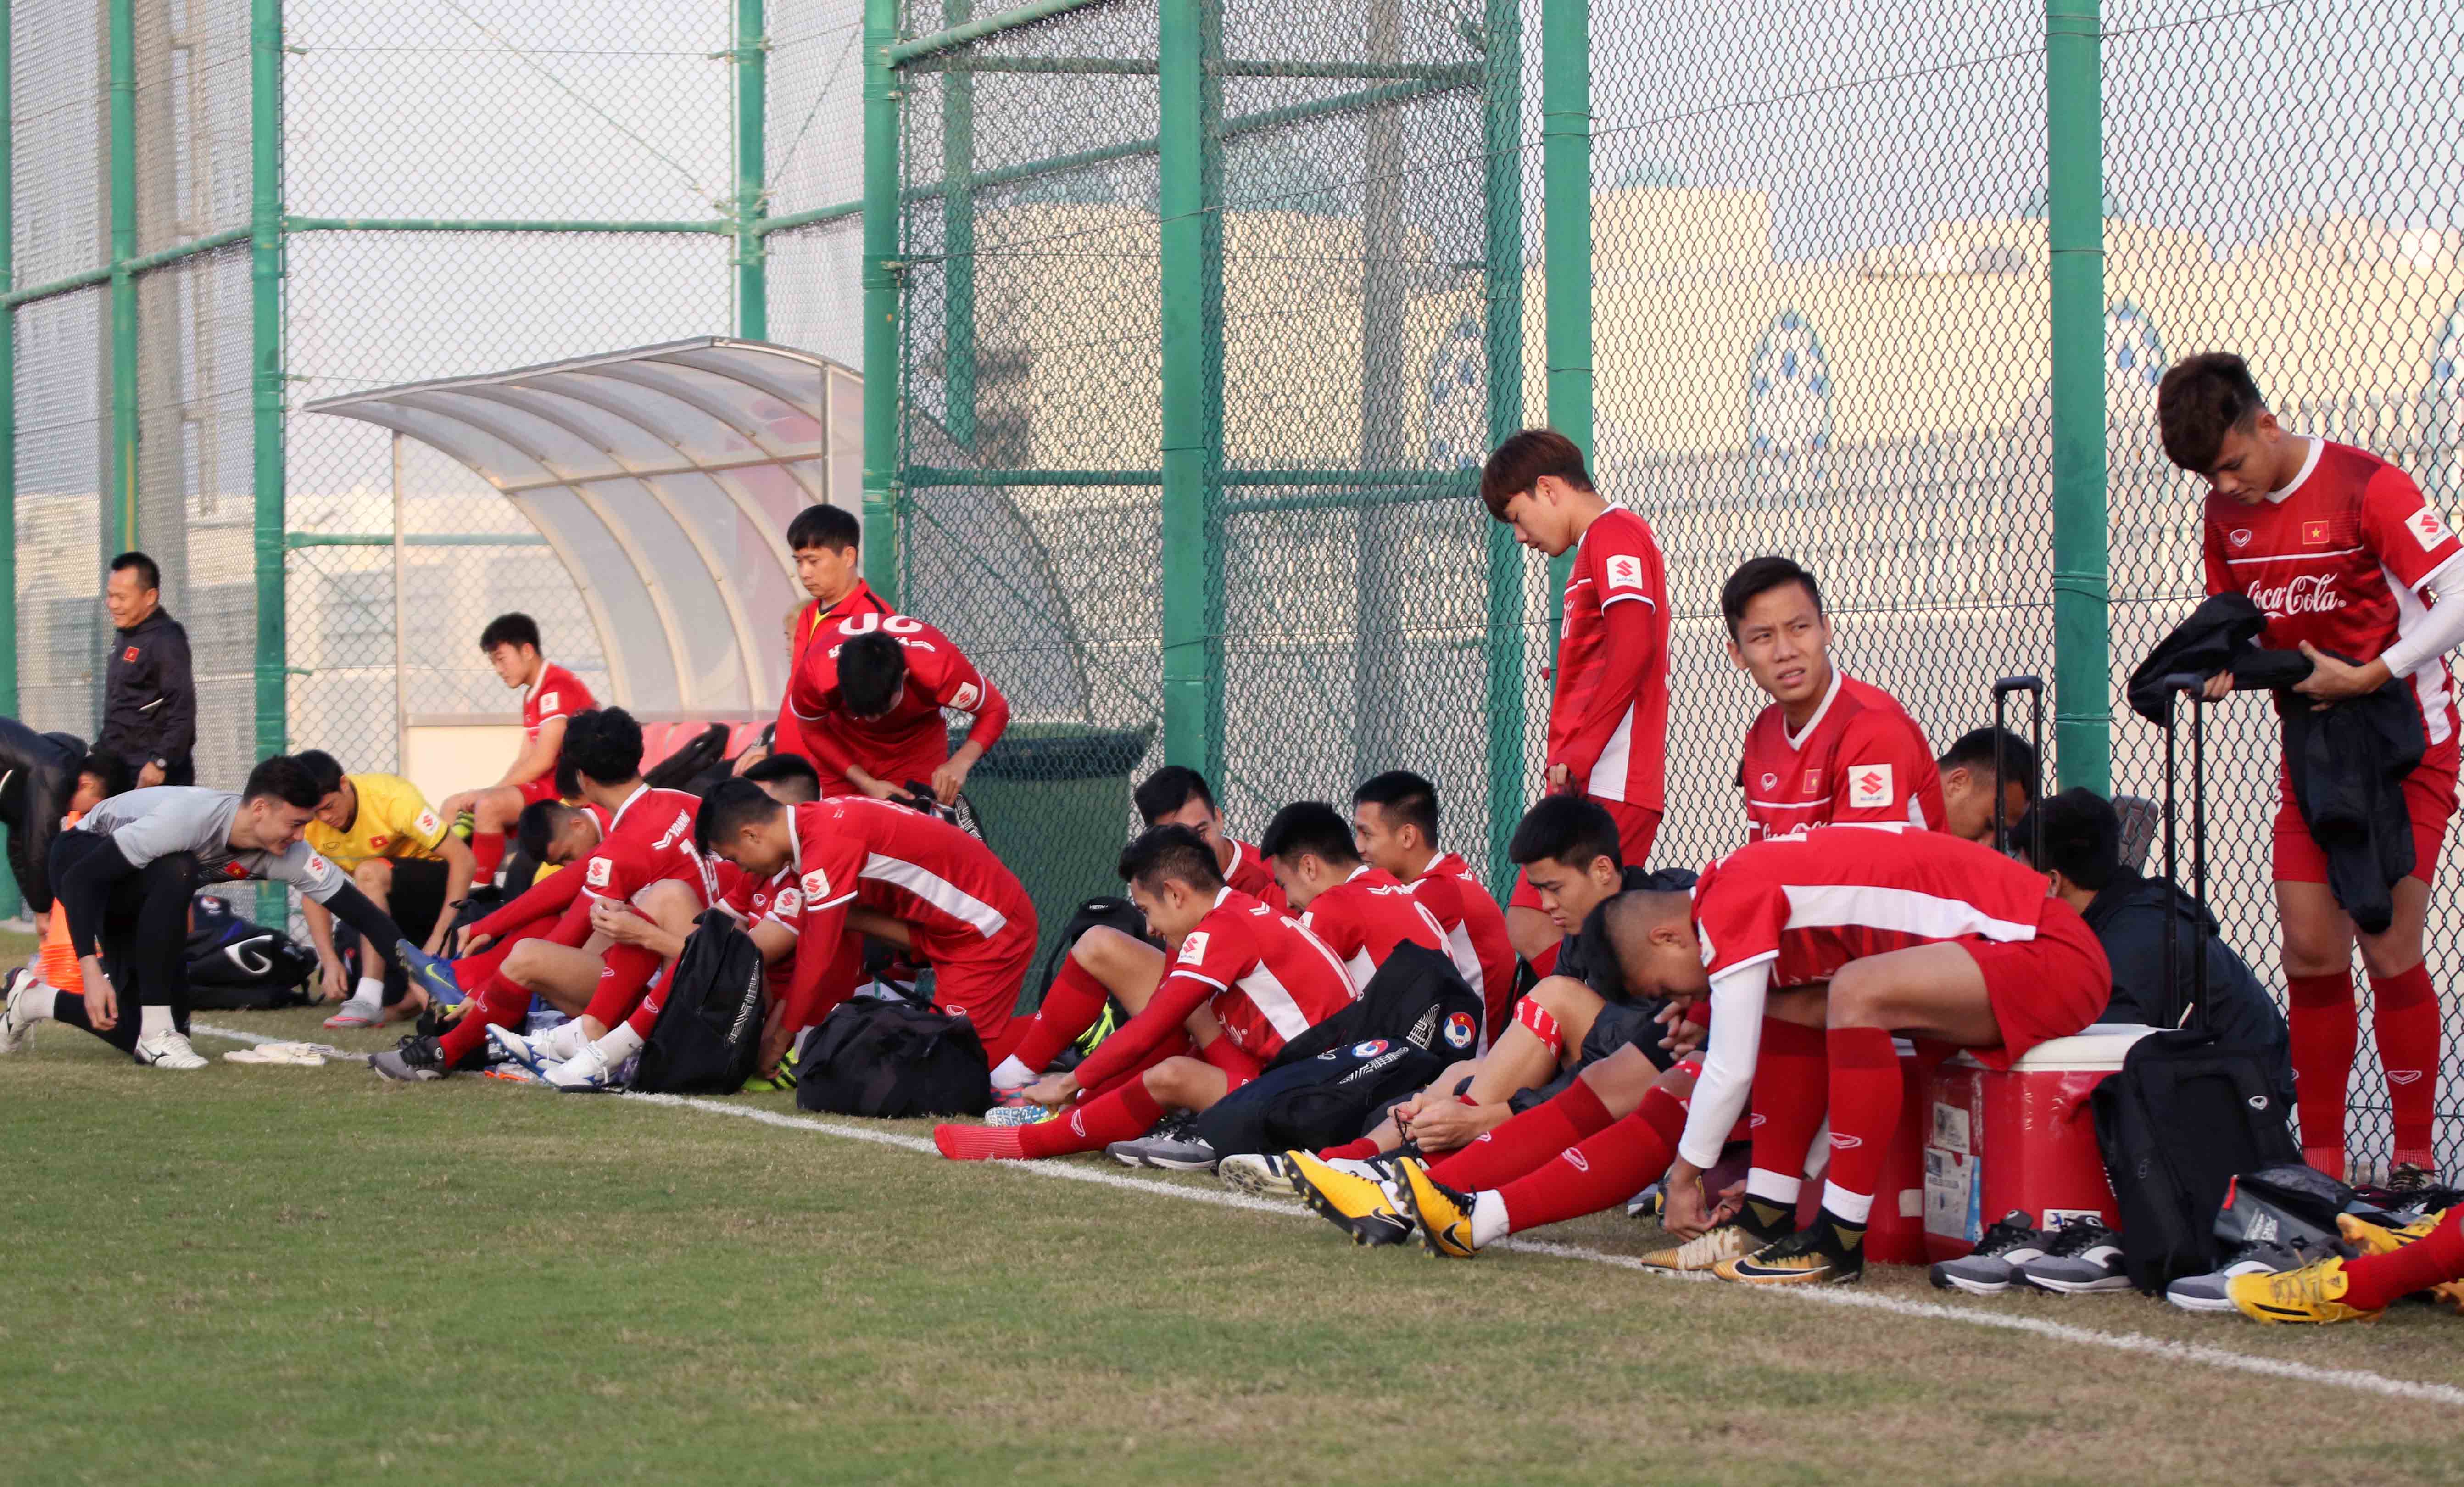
1395 823
1361 912
550 696
1243 980
54 968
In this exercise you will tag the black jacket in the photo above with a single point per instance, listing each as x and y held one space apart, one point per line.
2131 917
38 773
2346 763
149 699
1588 957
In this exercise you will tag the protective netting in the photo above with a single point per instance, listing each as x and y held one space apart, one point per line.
63 463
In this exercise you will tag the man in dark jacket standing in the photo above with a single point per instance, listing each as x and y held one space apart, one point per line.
149 695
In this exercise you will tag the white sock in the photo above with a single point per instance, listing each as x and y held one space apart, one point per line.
1771 1187
35 1002
565 1040
619 1044
1488 1222
1849 1208
152 1021
371 990
1013 1074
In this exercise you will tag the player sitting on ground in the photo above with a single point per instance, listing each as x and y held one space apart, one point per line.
378 828
1965 770
1395 823
1177 796
550 696
1243 980
54 968
646 858
748 899
1829 747
1361 912
964 915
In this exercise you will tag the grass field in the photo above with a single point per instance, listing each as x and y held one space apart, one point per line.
308 1275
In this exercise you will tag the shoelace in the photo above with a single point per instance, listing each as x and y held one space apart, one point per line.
2076 1235
2307 1285
2006 1236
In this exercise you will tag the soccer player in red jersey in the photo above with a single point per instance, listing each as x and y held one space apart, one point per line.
966 916
1829 747
551 694
1243 980
1361 912
1608 717
827 543
1395 822
1814 949
867 700
2355 568
1177 796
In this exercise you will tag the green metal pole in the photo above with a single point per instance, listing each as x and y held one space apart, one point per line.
269 467
752 269
1501 345
958 245
9 904
1189 703
123 27
1566 238
883 376
1210 364
2075 228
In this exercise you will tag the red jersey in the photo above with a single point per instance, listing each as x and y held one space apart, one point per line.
1365 917
788 737
911 739
1251 874
1476 936
1860 758
954 894
557 694
648 840
1608 720
2338 559
747 899
1809 904
1267 979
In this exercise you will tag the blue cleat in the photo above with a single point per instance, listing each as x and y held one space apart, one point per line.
432 976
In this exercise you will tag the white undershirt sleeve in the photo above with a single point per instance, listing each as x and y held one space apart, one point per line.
2442 631
1728 1057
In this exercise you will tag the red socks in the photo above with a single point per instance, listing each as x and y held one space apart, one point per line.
1526 1142
1792 1094
500 1001
1610 1166
1125 1114
1353 1150
625 972
1866 1091
1070 1006
2325 1027
488 850
2375 1280
2403 1015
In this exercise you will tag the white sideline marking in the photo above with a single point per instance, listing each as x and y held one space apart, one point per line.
2199 1353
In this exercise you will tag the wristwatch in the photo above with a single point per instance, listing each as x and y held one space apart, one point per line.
161 763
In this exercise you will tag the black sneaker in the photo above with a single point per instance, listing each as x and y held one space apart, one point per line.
1988 1269
414 1060
2080 1257
1810 1256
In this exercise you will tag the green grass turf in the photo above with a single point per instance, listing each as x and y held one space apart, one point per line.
307 1275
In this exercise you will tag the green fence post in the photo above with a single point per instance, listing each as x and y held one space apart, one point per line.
752 265
883 376
1190 701
9 905
1501 345
1565 238
269 469
123 512
2075 229
958 245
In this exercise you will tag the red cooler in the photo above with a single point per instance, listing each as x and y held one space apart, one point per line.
2023 1139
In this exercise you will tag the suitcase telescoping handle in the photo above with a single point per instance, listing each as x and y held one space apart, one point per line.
2035 687
2194 685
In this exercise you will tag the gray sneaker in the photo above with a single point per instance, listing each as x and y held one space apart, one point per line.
2080 1257
1988 1269
1173 1152
2256 1237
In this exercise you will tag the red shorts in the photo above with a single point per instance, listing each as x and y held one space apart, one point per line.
533 791
2043 989
1637 829
2428 798
984 987
1238 1065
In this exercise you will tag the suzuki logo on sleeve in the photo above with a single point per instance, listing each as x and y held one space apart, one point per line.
816 886
1193 950
2426 527
1625 571
547 702
600 871
965 699
1869 786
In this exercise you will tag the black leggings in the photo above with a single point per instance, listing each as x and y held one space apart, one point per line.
144 939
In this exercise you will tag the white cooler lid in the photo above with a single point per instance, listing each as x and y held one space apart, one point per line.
2095 1049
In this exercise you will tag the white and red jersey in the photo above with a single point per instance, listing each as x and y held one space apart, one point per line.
650 839
911 739
745 898
1476 936
2338 558
1859 758
1608 719
558 693
1366 916
1266 978
957 899
1251 874
1811 902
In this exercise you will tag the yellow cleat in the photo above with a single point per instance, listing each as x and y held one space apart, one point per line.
2313 1294
2377 1238
1356 1204
1816 1257
1728 1241
1444 1214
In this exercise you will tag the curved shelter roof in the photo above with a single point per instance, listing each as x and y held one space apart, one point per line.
664 478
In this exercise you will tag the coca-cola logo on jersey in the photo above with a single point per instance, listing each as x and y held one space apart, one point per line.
2309 593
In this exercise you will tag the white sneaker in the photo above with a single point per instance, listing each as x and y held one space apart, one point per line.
561 1043
16 1036
168 1051
356 1013
529 1054
584 1071
1258 1174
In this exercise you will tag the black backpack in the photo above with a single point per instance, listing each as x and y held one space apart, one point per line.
707 1037
2177 1123
702 752
236 966
895 1059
